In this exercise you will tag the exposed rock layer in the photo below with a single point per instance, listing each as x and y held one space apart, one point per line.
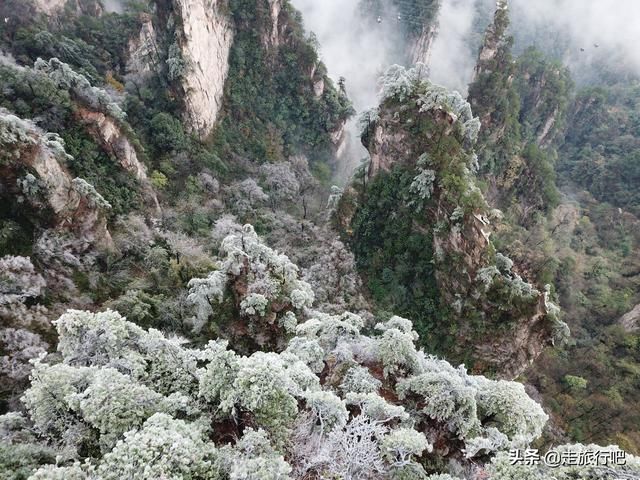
205 36
71 210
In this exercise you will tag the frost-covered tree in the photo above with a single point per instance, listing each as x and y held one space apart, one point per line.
246 196
163 447
19 280
333 279
280 182
403 444
119 401
22 323
254 458
65 77
262 286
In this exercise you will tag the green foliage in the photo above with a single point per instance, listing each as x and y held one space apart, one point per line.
395 260
601 149
270 108
94 45
90 162
544 87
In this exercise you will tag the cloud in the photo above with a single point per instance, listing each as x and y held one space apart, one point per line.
356 48
454 50
589 36
565 27
113 6
360 49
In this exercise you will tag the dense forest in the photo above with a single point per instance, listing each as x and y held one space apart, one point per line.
185 293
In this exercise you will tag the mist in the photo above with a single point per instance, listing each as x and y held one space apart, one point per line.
455 49
359 50
589 36
592 37
607 31
113 6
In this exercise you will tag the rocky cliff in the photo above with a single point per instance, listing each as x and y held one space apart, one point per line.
143 54
205 36
420 47
420 143
49 7
113 140
33 172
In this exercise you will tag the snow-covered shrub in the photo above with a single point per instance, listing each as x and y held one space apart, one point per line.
511 410
65 77
19 280
451 399
163 448
397 351
19 346
422 184
280 182
264 283
308 351
358 379
333 279
88 191
376 408
401 445
226 225
263 387
352 452
216 379
328 410
329 329
255 459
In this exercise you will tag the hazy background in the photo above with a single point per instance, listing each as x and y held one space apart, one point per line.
357 49
565 29
113 6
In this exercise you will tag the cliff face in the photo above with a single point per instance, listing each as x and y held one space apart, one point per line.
49 7
421 170
420 47
113 140
272 34
205 37
32 168
143 49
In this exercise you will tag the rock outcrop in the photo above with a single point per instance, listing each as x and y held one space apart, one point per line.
422 137
110 136
420 47
630 321
53 8
272 34
143 49
205 36
495 40
49 7
32 169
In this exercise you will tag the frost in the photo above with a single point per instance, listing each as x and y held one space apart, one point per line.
327 409
163 448
65 77
254 304
19 280
377 408
359 380
89 192
401 445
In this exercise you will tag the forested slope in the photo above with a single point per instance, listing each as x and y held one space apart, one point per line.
183 294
